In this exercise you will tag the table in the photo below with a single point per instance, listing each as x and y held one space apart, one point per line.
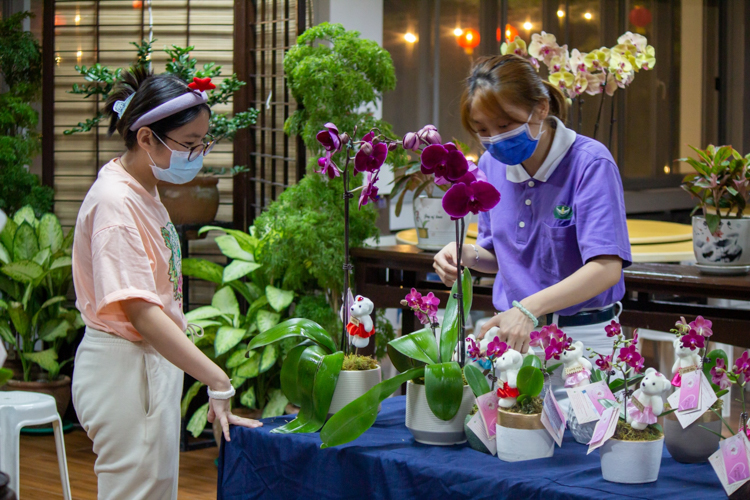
386 462
657 294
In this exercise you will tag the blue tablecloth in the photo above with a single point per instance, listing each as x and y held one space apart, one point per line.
386 462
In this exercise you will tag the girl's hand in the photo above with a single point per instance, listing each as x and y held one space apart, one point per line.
219 409
515 328
445 264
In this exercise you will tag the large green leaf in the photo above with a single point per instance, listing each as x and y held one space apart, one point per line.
226 301
477 381
23 271
205 312
267 320
289 370
54 329
189 395
25 214
198 421
42 256
68 241
7 235
401 362
5 375
278 298
449 331
444 388
203 270
317 375
532 361
244 289
25 244
249 368
237 357
246 242
20 318
238 269
6 334
248 398
297 327
231 248
61 262
268 358
420 345
530 381
50 233
354 419
711 362
47 359
226 338
276 404
4 255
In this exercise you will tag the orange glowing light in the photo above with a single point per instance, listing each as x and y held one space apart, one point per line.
468 40
510 33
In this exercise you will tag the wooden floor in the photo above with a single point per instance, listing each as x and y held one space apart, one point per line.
40 478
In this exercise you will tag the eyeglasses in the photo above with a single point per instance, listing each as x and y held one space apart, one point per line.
203 149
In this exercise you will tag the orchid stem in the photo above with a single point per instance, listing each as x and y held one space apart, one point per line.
611 124
599 114
347 266
460 295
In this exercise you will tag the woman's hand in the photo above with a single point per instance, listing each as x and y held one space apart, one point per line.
514 327
445 263
219 409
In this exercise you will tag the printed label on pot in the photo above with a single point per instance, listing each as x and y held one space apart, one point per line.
720 466
605 428
553 418
477 427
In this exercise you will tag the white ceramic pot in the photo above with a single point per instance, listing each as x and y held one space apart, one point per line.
522 437
426 427
631 462
351 385
435 229
729 246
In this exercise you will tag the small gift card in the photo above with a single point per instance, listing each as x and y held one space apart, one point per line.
585 401
477 426
735 447
605 428
487 404
553 418
707 399
690 391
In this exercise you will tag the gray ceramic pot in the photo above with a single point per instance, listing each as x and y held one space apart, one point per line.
693 444
582 433
472 438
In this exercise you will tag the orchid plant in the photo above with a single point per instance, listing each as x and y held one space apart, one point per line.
723 378
485 358
553 341
600 71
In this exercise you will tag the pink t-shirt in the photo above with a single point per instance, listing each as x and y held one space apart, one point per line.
125 247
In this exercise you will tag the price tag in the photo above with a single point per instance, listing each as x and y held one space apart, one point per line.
690 391
585 401
487 404
707 399
477 426
553 418
723 468
605 428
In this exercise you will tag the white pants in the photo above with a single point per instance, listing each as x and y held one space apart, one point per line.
127 397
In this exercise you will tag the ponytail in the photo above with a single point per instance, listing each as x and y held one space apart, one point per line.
558 103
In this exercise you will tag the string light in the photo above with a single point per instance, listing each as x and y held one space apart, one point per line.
471 158
78 18
527 26
667 169
79 53
458 32
58 60
410 37
588 16
560 13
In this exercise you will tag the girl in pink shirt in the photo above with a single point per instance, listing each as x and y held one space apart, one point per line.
127 272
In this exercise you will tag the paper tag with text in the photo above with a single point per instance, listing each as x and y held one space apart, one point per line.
707 399
717 462
605 428
690 391
553 418
487 404
734 454
477 426
585 401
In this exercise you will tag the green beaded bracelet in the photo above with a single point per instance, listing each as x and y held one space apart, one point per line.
533 319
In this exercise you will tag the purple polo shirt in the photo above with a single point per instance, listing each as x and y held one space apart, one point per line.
545 228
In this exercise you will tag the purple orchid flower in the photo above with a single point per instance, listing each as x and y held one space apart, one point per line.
539 339
327 166
444 161
430 304
638 365
479 196
411 141
693 340
613 329
329 138
473 349
413 298
370 157
495 349
472 175
604 363
702 326
556 347
370 191
631 357
719 374
742 365
430 135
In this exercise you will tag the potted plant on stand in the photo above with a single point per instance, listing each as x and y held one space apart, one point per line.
197 201
721 183
35 276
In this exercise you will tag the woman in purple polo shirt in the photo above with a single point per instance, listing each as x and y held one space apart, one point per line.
557 240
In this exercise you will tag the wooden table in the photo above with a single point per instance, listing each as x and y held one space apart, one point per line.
657 294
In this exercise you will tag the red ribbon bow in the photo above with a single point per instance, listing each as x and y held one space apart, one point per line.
507 391
201 84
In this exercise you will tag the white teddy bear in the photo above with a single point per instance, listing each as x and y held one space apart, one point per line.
576 367
507 367
684 358
646 403
360 327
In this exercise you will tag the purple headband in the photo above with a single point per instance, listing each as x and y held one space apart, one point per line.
171 107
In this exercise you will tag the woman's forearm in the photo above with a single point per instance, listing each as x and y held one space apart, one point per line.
593 278
486 263
160 331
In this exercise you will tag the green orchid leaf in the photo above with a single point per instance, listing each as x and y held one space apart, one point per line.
276 404
205 312
238 269
420 345
522 398
198 421
530 381
188 398
354 419
597 375
708 365
248 399
401 362
278 298
444 389
230 247
551 369
449 332
617 385
203 269
49 233
477 381
25 244
226 301
532 361
226 338
24 271
297 327
289 370
267 320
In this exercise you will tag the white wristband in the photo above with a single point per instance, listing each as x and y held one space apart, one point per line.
221 395
476 252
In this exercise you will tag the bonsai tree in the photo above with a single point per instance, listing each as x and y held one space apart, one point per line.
101 79
21 68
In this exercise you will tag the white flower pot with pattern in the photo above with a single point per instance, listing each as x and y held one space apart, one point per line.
351 385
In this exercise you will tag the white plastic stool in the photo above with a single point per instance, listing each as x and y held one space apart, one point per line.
20 409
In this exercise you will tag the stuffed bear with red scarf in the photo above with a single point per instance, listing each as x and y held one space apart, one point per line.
360 327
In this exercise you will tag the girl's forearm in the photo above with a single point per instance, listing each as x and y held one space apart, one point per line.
160 331
486 263
596 276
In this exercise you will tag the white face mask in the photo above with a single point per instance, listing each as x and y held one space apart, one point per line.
180 170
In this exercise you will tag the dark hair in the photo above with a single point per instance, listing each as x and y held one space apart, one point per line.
150 91
509 78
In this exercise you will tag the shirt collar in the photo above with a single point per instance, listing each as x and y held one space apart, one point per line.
564 138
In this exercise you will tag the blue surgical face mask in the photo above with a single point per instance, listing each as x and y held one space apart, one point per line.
181 170
512 147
